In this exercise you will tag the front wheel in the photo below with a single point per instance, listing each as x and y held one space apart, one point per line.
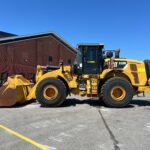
117 92
51 92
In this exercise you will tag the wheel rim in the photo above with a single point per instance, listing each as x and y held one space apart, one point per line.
50 92
118 93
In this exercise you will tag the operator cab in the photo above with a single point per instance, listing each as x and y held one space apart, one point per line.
89 58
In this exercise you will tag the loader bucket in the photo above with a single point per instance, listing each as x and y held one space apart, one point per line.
14 90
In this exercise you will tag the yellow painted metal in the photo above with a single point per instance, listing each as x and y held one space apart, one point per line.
70 79
66 75
85 76
141 71
144 89
149 82
15 90
50 92
88 86
18 89
118 93
39 73
92 86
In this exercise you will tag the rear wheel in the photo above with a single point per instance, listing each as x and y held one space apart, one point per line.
117 92
51 92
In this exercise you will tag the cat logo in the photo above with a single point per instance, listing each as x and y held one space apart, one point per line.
120 64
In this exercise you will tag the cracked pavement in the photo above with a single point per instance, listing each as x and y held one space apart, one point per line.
80 124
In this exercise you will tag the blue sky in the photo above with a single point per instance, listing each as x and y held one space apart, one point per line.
121 24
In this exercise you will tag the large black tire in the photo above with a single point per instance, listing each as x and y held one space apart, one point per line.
56 89
117 92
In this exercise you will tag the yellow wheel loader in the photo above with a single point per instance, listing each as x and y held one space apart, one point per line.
96 73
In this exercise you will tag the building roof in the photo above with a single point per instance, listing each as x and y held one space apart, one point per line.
36 35
5 34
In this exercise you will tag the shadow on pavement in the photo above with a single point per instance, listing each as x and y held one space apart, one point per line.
94 103
74 102
97 103
140 103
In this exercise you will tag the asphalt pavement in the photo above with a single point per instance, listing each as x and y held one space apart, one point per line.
80 124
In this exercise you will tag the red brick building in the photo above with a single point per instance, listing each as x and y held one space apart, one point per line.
21 54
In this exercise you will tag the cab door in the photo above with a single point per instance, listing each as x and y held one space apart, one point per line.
92 59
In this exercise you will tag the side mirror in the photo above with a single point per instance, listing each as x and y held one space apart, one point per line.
109 54
117 53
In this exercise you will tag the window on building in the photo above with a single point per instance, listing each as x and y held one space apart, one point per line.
50 58
69 61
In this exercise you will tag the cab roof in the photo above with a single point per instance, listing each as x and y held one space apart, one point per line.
90 44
